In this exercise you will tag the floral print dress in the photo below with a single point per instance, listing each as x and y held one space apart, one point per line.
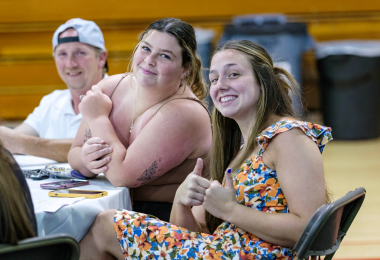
143 236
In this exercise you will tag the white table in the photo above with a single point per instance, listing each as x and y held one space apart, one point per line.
76 219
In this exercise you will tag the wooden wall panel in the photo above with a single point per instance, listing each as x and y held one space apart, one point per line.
27 67
20 11
24 84
345 30
28 73
18 106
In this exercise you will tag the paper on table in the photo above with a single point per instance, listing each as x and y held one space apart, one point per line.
54 204
27 160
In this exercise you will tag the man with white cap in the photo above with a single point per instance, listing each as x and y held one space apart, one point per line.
81 60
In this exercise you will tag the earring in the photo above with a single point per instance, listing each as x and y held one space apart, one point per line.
184 75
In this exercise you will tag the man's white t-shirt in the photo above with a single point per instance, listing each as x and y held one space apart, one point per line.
55 118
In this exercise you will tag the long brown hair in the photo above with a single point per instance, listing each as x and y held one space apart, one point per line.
275 84
14 223
185 35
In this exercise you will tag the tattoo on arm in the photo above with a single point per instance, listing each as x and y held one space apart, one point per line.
149 173
87 134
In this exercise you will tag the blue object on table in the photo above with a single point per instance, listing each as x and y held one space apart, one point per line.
77 175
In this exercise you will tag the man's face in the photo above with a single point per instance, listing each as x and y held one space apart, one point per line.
77 63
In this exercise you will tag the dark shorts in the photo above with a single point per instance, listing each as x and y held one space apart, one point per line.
160 210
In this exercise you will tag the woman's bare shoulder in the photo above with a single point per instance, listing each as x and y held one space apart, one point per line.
190 126
292 143
186 112
290 138
108 84
189 106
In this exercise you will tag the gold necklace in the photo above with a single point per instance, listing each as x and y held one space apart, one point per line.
133 113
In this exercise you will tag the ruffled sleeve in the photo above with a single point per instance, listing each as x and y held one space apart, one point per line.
319 134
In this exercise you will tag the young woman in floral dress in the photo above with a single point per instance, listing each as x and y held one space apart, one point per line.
258 197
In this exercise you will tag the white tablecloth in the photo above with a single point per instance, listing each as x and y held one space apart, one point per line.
76 219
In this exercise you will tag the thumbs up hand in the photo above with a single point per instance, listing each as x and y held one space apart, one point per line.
219 200
192 191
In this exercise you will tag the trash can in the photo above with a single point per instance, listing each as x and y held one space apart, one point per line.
285 42
204 42
349 73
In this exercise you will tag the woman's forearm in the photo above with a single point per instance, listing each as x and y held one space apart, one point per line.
183 216
282 229
102 127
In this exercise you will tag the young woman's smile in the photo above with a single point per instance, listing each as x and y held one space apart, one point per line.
234 89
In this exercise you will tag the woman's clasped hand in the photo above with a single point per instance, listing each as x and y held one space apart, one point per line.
94 154
95 104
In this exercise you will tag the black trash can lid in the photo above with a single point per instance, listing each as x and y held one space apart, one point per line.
264 24
363 48
204 36
259 19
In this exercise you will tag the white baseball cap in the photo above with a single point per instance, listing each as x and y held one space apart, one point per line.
88 32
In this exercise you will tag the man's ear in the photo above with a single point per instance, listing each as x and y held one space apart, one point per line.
102 58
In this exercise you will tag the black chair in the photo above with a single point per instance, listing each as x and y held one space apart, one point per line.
328 226
51 247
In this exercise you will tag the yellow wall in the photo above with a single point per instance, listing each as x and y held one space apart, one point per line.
25 11
27 69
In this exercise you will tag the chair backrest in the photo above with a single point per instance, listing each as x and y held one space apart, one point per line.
57 247
329 224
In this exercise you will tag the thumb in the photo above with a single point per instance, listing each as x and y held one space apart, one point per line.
198 167
229 180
